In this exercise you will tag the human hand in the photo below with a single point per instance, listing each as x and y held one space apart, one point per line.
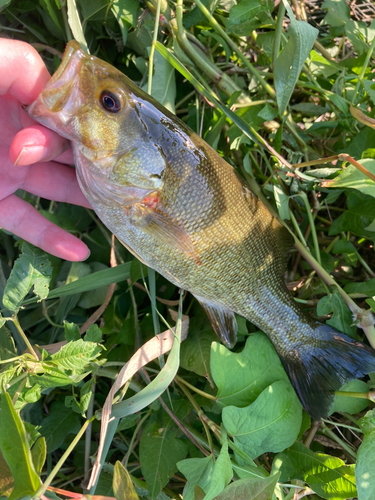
23 143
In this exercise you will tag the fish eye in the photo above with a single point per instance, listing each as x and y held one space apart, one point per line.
110 101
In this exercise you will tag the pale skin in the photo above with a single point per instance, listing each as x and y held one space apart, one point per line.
33 158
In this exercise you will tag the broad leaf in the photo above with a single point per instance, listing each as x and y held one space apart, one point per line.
15 449
160 450
76 355
60 422
328 476
122 484
254 489
251 371
222 473
342 318
271 423
198 472
364 471
31 269
291 59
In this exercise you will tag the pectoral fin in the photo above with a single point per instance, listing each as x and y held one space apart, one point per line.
164 229
223 321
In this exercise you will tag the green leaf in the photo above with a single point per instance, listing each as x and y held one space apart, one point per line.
341 318
125 12
328 476
195 350
163 82
93 281
31 269
251 371
250 488
71 331
76 355
242 17
282 202
360 214
348 404
198 472
367 288
6 478
60 422
38 454
75 24
15 449
271 423
156 387
160 450
93 334
123 488
7 347
364 471
222 473
353 178
338 12
291 59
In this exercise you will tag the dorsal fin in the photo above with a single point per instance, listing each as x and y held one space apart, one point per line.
223 321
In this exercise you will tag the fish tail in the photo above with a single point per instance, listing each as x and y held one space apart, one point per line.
317 371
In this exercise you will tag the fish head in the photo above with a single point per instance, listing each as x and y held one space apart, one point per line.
97 107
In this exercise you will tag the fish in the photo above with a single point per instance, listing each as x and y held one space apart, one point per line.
182 210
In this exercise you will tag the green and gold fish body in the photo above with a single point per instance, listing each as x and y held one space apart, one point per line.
182 210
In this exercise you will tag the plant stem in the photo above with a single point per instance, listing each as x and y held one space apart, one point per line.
364 67
198 391
235 49
23 335
152 51
59 464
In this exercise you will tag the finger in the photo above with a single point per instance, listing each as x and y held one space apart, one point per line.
36 144
54 181
26 74
21 219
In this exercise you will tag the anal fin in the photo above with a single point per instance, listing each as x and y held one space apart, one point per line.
223 321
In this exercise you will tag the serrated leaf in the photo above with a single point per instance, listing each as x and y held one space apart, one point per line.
328 476
76 355
341 318
291 59
159 453
364 475
31 269
254 489
271 423
60 422
122 484
251 371
15 449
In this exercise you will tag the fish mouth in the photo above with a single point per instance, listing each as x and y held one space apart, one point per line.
62 96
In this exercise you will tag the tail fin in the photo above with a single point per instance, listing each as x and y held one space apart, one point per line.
317 371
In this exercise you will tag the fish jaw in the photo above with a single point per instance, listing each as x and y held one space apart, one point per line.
62 98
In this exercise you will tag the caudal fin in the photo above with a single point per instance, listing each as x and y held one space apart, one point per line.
316 372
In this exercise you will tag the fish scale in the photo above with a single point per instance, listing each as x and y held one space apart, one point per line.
182 210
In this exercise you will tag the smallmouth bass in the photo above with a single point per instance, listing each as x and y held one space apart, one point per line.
181 209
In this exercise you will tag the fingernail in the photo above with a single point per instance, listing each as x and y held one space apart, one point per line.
88 255
30 154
